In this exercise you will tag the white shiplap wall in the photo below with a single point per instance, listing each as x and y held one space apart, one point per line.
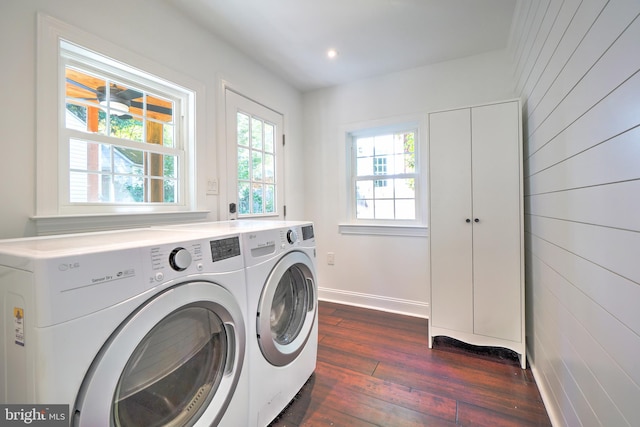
576 65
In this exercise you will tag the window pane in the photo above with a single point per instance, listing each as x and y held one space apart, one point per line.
405 188
257 165
170 191
256 133
257 195
269 168
364 209
243 163
89 156
167 136
384 209
270 198
243 198
170 168
243 129
364 189
269 136
127 160
383 144
364 147
128 189
127 127
405 209
383 189
364 166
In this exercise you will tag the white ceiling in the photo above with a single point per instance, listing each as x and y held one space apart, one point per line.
373 37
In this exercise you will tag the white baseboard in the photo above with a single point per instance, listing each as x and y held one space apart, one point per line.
545 394
376 302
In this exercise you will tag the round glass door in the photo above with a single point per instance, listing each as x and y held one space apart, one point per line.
287 309
175 361
174 372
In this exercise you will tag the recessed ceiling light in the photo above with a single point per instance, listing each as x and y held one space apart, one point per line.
332 53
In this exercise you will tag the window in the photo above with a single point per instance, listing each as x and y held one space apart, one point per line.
121 135
384 174
115 135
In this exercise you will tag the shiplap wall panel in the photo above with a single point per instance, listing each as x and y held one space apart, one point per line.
528 9
603 205
582 210
558 354
540 11
600 54
615 114
567 10
531 70
594 282
577 27
577 347
613 160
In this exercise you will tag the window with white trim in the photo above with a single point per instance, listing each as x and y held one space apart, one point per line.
384 175
121 136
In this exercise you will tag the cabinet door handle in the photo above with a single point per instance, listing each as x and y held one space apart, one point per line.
468 221
476 220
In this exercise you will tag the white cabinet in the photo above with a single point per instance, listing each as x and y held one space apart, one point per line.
476 226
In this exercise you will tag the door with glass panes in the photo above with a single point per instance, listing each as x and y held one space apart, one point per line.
255 159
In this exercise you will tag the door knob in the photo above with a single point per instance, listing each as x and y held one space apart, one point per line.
468 221
476 220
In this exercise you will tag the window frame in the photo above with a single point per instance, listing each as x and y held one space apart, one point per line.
397 227
77 57
53 213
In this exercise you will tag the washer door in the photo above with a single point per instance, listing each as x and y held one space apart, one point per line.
175 362
287 309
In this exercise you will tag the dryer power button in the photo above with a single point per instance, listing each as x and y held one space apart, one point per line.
180 259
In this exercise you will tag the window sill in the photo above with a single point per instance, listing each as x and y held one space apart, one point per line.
384 230
61 224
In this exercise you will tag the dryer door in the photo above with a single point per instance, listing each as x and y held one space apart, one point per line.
287 309
175 362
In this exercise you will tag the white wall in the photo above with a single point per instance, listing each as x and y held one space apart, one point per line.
384 272
155 31
577 66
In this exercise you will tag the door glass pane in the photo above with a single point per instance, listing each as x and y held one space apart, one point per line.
289 306
243 129
256 165
173 374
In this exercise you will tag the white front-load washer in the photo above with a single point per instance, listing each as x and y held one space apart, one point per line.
283 335
140 327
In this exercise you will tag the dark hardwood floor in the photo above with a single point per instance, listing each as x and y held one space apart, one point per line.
375 369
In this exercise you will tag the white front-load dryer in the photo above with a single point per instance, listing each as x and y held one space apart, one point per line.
141 327
283 333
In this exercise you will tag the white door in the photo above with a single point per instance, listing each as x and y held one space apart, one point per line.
496 208
255 159
451 227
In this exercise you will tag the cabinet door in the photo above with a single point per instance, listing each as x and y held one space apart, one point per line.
449 233
496 163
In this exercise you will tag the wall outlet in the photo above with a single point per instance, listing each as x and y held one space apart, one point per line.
331 258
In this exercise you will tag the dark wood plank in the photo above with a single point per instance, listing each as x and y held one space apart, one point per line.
375 369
